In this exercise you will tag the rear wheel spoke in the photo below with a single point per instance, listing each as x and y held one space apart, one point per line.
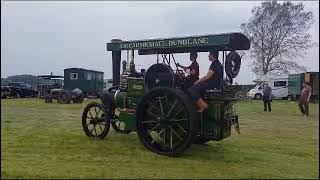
154 140
180 110
161 108
149 122
152 105
153 115
174 104
179 126
160 132
155 127
176 134
178 120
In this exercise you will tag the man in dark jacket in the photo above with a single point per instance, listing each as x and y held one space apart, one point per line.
267 97
212 80
305 99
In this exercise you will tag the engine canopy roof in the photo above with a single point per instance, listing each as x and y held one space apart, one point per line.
202 43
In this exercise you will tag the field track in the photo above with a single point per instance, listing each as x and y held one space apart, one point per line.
41 140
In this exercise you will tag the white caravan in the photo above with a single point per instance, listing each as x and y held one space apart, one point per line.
278 84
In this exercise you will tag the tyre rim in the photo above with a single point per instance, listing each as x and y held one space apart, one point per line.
165 124
95 121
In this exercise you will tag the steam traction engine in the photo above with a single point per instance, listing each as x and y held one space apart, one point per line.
156 104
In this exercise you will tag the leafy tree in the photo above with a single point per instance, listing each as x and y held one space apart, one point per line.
279 33
30 79
4 82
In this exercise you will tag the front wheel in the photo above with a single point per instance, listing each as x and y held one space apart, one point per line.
95 120
166 121
119 126
108 100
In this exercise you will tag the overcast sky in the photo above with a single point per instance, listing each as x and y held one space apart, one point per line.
42 37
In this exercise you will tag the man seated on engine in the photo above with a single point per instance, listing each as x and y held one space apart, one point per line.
212 80
194 69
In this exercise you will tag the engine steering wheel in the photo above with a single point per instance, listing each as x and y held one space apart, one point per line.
181 71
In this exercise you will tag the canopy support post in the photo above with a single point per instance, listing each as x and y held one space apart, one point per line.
116 61
128 59
157 58
223 56
174 60
132 65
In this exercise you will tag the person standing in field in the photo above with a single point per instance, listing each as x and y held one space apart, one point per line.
305 99
267 97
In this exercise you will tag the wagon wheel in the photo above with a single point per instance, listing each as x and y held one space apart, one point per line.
95 120
64 97
166 121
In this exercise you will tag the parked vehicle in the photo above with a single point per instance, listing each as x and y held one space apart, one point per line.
49 82
89 81
64 96
278 84
17 90
296 84
7 91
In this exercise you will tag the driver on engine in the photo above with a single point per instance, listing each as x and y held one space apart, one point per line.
212 80
194 69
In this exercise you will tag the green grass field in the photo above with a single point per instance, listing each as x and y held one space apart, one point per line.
41 140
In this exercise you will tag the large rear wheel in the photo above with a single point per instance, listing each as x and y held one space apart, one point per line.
166 121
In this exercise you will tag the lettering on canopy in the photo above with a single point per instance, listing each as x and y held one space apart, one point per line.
165 43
